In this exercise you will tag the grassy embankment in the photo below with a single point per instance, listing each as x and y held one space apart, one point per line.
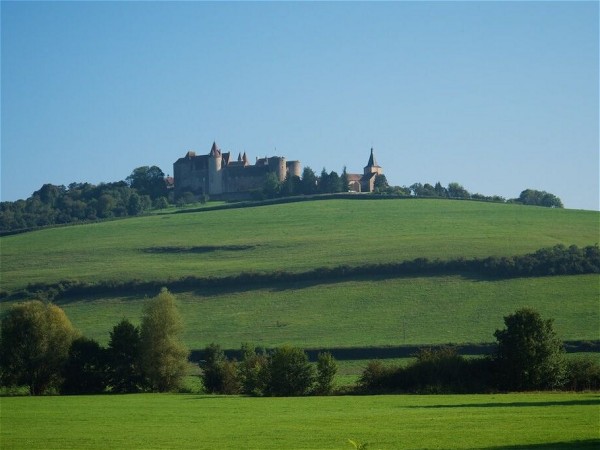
510 421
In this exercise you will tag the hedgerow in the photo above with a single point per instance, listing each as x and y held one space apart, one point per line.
557 260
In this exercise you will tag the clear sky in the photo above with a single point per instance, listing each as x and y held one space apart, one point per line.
498 96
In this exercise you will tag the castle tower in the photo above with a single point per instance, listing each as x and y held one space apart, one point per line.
277 165
215 170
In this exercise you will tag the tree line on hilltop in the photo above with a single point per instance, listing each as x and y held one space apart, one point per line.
40 349
332 182
146 189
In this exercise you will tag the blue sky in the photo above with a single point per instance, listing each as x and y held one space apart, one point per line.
498 96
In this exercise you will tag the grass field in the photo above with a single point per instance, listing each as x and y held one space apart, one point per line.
510 421
363 313
293 237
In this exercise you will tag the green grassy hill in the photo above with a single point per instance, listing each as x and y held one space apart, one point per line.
306 235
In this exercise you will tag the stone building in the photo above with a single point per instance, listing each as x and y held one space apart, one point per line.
365 182
218 175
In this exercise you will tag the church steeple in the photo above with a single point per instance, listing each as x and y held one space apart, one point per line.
372 162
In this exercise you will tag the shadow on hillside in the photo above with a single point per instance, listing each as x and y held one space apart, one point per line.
198 249
401 351
584 402
582 444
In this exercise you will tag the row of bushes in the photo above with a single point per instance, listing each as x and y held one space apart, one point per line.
528 356
558 260
282 372
443 370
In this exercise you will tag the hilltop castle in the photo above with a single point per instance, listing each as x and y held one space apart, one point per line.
219 176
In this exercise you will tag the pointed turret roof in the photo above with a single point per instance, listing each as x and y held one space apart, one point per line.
245 158
372 162
239 157
215 150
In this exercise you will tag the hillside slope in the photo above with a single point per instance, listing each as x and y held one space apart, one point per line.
291 237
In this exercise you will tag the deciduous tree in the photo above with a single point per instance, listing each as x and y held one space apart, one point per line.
290 373
36 338
163 354
530 355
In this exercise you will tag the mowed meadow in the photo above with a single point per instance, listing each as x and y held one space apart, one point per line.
503 421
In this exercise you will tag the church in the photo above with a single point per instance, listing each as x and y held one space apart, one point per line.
220 176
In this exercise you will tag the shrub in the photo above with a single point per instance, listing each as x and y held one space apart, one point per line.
326 370
376 378
219 376
583 374
289 372
252 371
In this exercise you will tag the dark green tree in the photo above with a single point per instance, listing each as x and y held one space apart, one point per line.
86 369
530 355
309 181
291 186
163 353
124 358
271 186
252 371
456 190
34 346
344 181
290 373
148 181
539 198
219 375
381 183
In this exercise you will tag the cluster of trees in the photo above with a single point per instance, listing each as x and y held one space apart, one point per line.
283 372
39 348
529 356
144 189
455 190
331 182
308 184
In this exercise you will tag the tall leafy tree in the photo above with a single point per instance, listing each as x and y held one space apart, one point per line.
36 338
85 371
124 358
530 355
163 353
148 181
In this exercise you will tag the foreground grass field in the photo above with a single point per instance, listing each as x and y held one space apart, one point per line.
511 421
292 237
363 313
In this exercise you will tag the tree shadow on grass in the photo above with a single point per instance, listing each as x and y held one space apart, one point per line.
582 402
582 444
